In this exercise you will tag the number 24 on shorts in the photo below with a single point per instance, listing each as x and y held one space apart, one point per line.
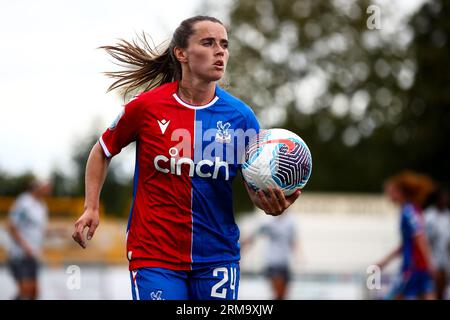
220 289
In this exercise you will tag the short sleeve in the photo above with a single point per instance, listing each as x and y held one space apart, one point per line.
252 122
249 128
17 212
124 130
252 128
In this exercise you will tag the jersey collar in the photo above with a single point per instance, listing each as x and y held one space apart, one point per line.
190 106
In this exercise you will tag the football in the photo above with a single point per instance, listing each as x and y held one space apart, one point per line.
277 158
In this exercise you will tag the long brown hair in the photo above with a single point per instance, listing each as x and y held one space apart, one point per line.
414 187
146 66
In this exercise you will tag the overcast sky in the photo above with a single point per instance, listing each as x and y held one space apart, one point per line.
52 91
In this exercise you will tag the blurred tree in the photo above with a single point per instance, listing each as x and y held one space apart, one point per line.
13 185
62 184
319 69
427 121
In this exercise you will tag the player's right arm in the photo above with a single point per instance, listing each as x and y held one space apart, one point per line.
122 132
15 234
16 215
391 256
96 170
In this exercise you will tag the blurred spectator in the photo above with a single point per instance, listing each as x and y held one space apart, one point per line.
410 190
27 226
281 233
437 222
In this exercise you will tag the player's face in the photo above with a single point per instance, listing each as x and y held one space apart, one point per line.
207 51
394 193
45 189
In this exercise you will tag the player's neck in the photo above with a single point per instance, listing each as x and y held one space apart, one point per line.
196 92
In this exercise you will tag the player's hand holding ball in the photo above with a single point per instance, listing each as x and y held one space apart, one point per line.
277 166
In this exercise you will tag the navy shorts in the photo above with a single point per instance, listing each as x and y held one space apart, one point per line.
24 268
411 285
279 272
219 282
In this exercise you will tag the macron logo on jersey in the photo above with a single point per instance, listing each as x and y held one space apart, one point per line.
163 124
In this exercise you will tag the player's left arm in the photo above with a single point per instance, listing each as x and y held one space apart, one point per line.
273 202
421 242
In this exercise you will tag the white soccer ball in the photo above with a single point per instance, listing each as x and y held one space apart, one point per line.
277 158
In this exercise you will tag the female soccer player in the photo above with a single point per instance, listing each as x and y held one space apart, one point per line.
410 190
182 240
27 225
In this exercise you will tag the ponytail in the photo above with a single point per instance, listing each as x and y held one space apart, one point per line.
146 67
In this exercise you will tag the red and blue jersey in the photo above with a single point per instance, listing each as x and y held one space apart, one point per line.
186 159
411 225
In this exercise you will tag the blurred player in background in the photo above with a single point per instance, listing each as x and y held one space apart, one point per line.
437 222
280 250
182 239
410 190
27 226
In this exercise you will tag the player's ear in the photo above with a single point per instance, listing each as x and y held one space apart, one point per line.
180 54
